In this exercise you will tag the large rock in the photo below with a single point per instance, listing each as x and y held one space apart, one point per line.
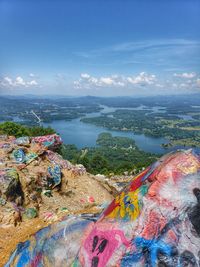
10 187
34 177
51 141
154 221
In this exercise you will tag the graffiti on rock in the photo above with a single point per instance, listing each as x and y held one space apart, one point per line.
154 221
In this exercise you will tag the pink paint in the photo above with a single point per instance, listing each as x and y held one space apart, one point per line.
112 238
48 215
91 199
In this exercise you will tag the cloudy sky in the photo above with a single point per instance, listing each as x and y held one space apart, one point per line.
99 47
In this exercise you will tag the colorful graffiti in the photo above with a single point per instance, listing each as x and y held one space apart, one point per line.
154 221
101 243
55 175
52 140
20 156
127 206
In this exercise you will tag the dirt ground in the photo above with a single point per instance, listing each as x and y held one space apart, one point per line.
10 236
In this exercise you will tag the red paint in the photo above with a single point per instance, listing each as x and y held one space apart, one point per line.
36 260
110 208
137 181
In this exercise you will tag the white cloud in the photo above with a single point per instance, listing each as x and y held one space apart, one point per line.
88 81
107 80
17 82
140 83
32 75
8 80
187 81
85 76
187 75
33 82
93 80
20 81
143 78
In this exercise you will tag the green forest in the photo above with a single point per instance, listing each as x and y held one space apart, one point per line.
18 130
173 127
112 155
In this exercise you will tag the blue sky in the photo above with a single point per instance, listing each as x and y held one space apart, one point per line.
104 47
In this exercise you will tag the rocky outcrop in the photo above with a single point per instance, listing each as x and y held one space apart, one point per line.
35 181
153 221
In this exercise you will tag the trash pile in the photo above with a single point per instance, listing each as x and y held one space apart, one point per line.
35 181
153 221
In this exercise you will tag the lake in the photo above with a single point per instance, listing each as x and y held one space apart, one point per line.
85 135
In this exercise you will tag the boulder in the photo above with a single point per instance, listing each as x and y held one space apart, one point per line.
153 221
51 141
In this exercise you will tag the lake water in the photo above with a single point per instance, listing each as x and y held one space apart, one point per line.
85 135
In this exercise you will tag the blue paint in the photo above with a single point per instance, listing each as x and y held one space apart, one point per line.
24 258
19 155
20 249
45 241
55 173
153 246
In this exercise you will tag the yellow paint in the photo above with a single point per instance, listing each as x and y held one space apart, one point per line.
123 209
192 168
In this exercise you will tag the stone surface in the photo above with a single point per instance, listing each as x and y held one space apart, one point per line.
154 221
34 177
10 187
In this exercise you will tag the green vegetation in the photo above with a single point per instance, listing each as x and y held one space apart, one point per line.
175 118
18 130
184 142
47 110
179 131
112 155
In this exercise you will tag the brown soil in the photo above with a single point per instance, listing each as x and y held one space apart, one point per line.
10 236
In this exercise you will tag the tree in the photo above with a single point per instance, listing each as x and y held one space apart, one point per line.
14 129
85 162
39 130
98 163
18 130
